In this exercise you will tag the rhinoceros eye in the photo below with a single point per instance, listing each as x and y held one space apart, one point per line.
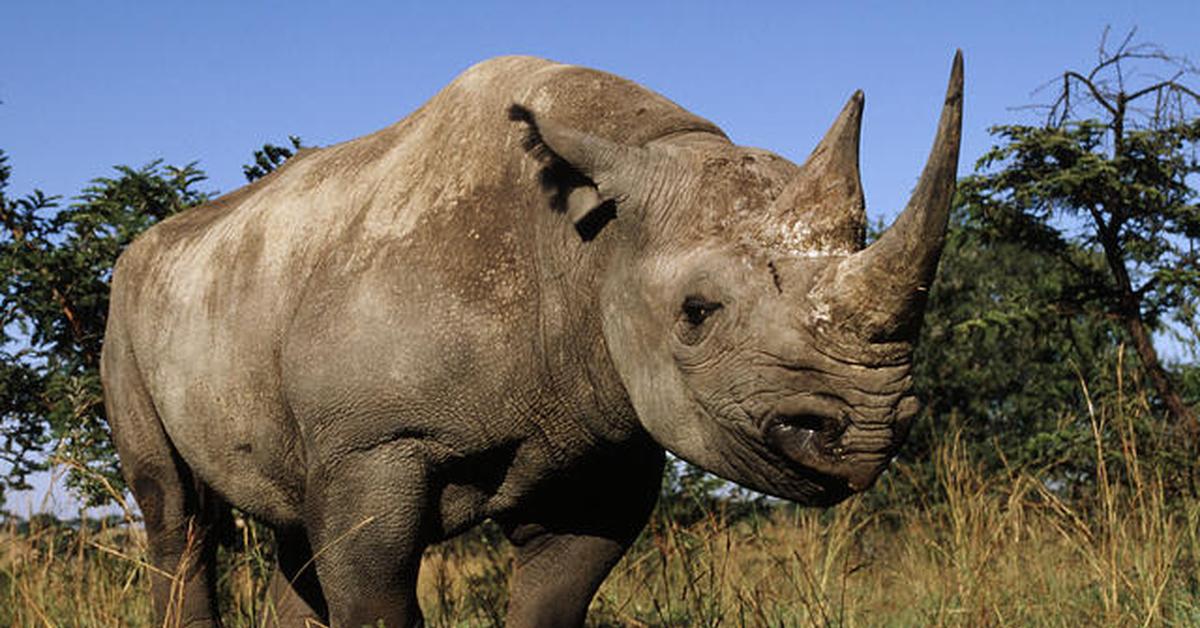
697 309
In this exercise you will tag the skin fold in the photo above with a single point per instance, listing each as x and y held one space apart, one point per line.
508 305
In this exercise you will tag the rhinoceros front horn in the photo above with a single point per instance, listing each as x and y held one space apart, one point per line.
880 292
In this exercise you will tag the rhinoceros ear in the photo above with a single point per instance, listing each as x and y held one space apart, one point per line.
589 174
589 211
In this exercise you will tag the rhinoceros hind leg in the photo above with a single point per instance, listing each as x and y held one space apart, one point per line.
566 550
180 513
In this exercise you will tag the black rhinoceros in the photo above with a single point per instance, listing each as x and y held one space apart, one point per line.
506 306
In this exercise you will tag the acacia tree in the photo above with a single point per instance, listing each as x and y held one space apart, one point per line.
1108 175
55 266
270 157
1000 353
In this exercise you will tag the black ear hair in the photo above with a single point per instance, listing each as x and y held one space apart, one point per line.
533 142
574 193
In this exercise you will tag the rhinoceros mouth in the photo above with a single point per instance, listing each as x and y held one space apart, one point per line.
805 438
813 442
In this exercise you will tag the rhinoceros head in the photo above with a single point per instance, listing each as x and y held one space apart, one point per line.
754 333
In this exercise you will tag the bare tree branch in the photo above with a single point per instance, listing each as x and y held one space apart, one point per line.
1170 86
1096 93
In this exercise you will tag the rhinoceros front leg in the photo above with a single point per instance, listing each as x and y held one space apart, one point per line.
572 538
365 517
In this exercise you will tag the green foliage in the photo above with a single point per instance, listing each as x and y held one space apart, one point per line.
270 157
56 269
1098 211
56 265
1071 242
1002 350
1139 198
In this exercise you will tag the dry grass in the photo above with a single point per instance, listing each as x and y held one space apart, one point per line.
994 553
1002 551
55 576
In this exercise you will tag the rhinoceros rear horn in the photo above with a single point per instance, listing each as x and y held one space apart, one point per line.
881 291
827 195
603 173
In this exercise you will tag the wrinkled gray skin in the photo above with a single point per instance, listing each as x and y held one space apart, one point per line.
488 310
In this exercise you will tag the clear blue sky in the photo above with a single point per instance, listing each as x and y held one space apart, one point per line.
88 85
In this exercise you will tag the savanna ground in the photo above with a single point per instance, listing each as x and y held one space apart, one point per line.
966 549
